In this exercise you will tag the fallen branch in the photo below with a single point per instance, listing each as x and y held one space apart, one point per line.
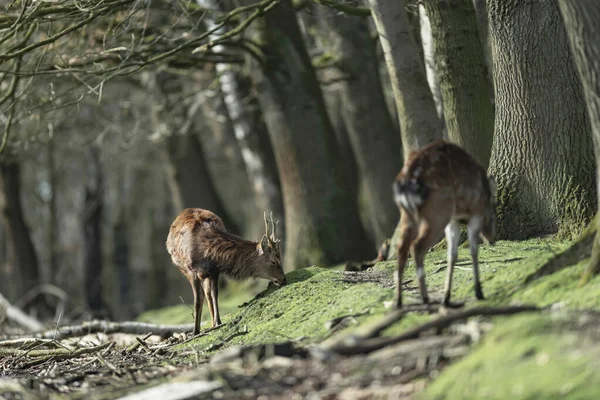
28 341
108 327
353 345
46 355
17 316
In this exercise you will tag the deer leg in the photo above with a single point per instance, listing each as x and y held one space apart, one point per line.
430 232
473 229
214 292
196 283
452 236
406 237
206 285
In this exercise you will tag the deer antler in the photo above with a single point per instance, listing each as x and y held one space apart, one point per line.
266 224
273 230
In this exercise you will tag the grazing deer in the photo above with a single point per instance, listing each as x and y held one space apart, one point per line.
440 187
202 249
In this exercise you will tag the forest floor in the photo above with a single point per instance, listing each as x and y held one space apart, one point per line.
321 336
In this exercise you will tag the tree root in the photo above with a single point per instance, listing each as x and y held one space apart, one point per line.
355 345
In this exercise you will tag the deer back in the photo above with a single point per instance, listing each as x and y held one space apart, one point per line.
442 179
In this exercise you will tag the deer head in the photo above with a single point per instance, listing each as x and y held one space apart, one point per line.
268 250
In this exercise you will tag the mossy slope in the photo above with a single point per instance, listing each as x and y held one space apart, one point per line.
533 356
527 357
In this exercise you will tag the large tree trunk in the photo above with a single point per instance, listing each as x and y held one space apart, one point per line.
374 139
322 224
419 123
92 238
15 227
461 69
581 21
542 154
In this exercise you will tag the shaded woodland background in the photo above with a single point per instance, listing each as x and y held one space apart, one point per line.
118 114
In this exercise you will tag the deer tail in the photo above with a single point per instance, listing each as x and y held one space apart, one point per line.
410 195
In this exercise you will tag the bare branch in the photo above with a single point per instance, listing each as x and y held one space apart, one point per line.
10 95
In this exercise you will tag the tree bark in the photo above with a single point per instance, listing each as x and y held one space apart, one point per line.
461 69
581 22
375 142
429 60
542 153
322 223
484 37
419 123
16 228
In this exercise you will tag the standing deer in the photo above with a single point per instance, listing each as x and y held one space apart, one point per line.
202 249
440 187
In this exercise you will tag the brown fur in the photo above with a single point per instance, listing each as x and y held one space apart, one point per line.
202 249
440 187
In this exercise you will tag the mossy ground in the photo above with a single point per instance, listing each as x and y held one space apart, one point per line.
521 358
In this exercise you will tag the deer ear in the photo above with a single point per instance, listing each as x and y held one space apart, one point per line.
261 245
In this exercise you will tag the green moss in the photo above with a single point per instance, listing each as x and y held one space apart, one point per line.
299 310
525 357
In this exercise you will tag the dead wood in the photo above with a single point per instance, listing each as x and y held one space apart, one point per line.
355 345
108 327
28 341
16 315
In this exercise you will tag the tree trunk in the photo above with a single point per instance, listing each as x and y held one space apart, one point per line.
122 269
542 153
225 160
53 212
484 38
429 59
581 22
193 183
15 227
461 69
375 142
322 223
419 123
190 181
263 181
92 238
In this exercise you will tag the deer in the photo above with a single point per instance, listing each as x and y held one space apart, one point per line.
440 187
202 250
